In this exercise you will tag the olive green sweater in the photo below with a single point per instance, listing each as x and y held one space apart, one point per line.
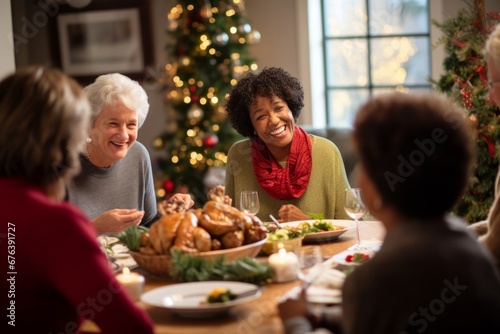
324 194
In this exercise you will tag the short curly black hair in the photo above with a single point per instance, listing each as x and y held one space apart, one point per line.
416 149
272 81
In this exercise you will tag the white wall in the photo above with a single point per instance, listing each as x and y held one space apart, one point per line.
7 60
283 26
156 121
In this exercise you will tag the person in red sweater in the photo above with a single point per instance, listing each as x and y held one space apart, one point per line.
54 273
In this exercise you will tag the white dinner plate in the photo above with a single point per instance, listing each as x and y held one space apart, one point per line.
315 295
323 295
340 257
327 235
188 299
120 254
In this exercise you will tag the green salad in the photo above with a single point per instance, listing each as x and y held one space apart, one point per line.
318 226
288 232
291 232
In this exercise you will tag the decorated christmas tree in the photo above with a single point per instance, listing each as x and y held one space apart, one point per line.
465 81
207 54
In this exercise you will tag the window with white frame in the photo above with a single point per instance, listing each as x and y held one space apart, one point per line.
369 47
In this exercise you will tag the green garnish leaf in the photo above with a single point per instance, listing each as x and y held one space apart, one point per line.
131 237
190 268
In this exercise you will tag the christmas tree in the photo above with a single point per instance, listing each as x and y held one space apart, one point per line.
207 54
465 81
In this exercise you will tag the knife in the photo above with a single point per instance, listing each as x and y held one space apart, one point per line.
247 293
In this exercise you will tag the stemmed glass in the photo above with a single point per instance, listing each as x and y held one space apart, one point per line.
249 202
356 209
310 256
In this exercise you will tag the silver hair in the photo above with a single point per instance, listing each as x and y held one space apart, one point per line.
107 89
492 46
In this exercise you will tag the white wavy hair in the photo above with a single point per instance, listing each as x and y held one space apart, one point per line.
492 46
107 89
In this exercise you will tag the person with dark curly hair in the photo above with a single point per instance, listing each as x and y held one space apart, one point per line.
430 274
296 174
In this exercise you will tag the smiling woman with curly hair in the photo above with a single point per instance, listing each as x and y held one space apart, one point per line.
295 173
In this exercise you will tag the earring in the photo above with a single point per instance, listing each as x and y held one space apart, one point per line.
89 140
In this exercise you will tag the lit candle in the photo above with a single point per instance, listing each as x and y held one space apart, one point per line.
132 282
285 265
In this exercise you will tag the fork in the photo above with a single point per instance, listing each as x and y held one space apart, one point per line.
275 221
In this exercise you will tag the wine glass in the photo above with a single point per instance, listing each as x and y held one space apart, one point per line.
249 202
310 256
356 209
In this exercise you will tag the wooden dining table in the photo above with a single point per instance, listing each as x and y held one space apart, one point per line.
258 316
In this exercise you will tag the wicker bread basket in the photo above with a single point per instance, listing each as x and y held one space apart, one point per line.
159 265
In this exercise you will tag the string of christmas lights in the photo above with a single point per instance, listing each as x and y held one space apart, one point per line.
207 53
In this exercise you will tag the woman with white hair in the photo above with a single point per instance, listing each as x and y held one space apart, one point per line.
115 188
62 275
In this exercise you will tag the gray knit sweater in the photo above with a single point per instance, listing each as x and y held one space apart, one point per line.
127 184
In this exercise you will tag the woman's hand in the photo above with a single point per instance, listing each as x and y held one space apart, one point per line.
117 220
290 213
227 200
186 198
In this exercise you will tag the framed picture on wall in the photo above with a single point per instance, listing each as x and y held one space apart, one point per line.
101 41
104 37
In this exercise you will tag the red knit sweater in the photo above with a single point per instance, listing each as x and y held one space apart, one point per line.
59 276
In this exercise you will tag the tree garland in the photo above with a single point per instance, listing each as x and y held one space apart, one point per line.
465 82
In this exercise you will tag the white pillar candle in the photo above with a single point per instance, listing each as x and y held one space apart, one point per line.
132 282
285 265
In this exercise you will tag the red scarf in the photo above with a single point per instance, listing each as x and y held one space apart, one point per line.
284 182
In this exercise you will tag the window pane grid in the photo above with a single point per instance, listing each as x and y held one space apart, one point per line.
327 38
391 52
377 86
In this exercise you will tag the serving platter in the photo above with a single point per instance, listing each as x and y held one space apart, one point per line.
326 235
188 299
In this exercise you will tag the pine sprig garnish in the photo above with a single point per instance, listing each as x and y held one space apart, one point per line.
190 268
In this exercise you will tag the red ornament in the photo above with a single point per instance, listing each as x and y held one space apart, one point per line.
181 50
169 186
481 71
478 25
489 143
467 98
460 44
210 141
192 89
